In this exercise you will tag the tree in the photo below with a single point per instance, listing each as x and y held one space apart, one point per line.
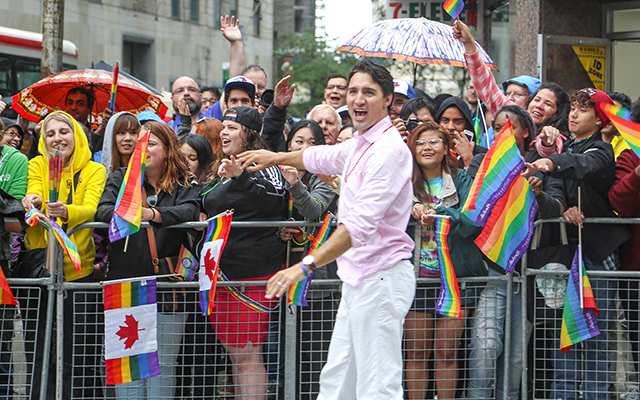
309 61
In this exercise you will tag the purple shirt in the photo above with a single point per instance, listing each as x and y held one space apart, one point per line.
375 197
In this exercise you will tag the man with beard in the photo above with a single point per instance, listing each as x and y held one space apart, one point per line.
185 91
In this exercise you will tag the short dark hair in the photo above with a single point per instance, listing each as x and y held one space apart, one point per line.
378 73
333 76
525 119
211 89
242 89
621 98
85 91
413 105
306 123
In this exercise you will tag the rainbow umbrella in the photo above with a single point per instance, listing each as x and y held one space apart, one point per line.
49 94
418 40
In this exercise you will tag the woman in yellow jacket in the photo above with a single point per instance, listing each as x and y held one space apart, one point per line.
61 131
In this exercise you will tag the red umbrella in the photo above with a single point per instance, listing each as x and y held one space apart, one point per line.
49 94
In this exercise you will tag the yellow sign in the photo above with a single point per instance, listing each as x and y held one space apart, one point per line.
592 59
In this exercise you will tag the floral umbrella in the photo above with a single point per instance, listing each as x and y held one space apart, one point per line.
49 94
418 40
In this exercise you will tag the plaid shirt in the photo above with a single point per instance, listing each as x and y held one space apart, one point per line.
489 92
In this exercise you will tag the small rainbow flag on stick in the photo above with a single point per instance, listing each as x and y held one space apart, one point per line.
449 299
298 292
453 7
501 165
114 86
630 131
34 215
508 231
130 330
187 264
127 213
578 324
214 242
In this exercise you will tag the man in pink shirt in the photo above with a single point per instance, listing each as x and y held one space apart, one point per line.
370 243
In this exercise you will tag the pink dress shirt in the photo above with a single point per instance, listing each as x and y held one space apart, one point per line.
375 197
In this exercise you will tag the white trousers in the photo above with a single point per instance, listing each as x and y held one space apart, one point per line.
365 354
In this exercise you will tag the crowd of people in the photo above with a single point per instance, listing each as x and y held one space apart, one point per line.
376 151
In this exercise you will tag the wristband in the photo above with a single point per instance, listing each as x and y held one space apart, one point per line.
154 213
306 273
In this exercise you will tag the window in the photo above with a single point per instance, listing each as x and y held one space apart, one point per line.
216 13
194 11
233 8
27 72
6 82
257 16
175 9
137 59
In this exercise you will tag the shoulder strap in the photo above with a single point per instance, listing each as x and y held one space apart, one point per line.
151 236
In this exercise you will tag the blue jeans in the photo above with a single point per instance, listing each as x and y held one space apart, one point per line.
161 387
486 371
591 365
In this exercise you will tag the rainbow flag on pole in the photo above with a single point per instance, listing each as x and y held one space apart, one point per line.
508 231
130 318
215 240
578 324
453 7
630 131
449 298
127 213
34 216
187 264
297 293
501 165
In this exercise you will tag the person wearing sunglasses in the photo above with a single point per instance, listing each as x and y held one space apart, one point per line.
439 187
170 196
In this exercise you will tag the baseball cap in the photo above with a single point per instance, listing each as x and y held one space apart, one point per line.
247 116
599 97
148 115
403 88
241 82
343 111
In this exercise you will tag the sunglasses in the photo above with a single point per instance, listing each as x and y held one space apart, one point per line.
152 200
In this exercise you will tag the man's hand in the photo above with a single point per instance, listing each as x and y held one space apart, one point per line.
463 146
183 108
230 28
462 33
543 164
398 123
536 185
280 282
263 159
283 93
230 168
573 216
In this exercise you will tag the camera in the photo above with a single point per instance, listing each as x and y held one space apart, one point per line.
412 123
267 98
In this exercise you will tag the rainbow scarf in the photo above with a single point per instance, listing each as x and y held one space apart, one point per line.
298 292
187 264
630 131
34 216
578 324
6 297
449 299
130 315
127 214
508 231
215 240
501 165
453 7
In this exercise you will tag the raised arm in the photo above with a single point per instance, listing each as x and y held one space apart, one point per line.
230 28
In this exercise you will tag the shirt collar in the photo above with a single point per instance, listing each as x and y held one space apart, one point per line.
376 130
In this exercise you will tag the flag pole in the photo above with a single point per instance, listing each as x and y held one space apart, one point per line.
580 264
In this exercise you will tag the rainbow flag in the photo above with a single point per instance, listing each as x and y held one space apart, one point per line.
215 240
127 213
501 165
130 318
187 264
297 293
578 324
508 231
449 298
630 131
34 216
6 297
453 7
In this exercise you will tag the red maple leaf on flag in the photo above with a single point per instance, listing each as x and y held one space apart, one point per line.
129 331
209 265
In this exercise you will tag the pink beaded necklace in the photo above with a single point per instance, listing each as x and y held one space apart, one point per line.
349 172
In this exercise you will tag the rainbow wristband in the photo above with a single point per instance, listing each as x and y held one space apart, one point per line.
304 269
